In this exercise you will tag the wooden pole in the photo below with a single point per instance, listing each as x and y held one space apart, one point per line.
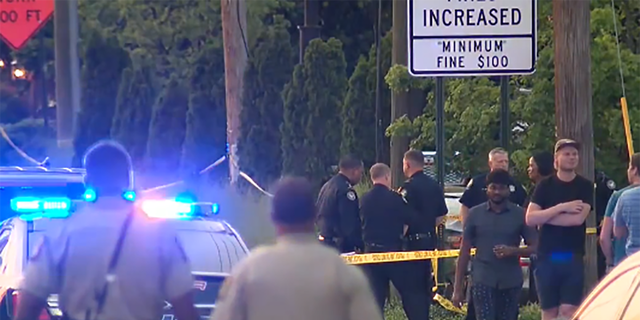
67 70
399 100
574 118
234 33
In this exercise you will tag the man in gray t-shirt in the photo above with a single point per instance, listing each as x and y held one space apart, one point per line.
72 259
496 228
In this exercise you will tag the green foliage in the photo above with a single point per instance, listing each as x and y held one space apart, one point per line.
472 105
167 129
358 112
312 101
269 69
205 139
31 136
104 61
293 125
133 110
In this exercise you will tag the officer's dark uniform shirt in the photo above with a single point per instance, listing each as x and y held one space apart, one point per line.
339 213
476 192
426 198
384 215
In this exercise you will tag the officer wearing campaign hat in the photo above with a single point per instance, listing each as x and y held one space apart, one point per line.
105 261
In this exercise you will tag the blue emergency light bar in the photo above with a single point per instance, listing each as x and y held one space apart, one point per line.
174 209
34 208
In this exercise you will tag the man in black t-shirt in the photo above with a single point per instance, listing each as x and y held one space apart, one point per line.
559 206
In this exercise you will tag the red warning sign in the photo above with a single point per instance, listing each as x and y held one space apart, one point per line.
21 19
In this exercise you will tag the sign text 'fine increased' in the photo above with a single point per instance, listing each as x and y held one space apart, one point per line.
472 37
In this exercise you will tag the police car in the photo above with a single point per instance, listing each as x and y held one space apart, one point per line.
33 200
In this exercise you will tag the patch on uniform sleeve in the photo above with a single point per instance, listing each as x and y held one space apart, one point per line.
611 184
351 195
512 188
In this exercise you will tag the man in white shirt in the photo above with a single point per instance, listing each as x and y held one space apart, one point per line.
298 278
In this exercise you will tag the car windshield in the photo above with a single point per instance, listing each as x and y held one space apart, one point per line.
71 190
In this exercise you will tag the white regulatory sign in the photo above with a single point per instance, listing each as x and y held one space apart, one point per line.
454 38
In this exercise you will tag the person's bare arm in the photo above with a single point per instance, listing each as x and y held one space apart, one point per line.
606 235
463 263
464 213
571 219
620 230
536 216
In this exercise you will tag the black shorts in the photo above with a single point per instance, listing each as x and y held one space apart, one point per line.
559 282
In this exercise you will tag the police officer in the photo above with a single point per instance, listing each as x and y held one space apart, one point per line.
338 208
385 216
476 193
297 278
107 262
426 198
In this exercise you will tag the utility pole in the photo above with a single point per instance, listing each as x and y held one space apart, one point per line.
234 22
67 65
311 28
399 100
574 118
379 131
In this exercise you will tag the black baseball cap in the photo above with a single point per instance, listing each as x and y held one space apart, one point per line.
563 143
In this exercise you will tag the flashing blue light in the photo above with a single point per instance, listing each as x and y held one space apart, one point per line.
170 209
36 208
89 195
215 208
129 195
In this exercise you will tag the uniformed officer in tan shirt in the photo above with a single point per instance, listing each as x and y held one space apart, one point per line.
72 260
298 278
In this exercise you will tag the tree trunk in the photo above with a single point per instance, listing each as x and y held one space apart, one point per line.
574 119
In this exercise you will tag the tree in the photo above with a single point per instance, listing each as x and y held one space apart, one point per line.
313 100
136 97
292 130
104 61
205 140
472 123
358 113
167 129
269 69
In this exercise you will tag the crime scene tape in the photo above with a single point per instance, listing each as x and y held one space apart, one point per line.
370 258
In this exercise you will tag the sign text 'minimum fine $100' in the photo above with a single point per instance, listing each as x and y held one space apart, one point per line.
472 37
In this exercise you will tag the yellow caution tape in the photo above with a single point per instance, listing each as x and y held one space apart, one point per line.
369 258
445 303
